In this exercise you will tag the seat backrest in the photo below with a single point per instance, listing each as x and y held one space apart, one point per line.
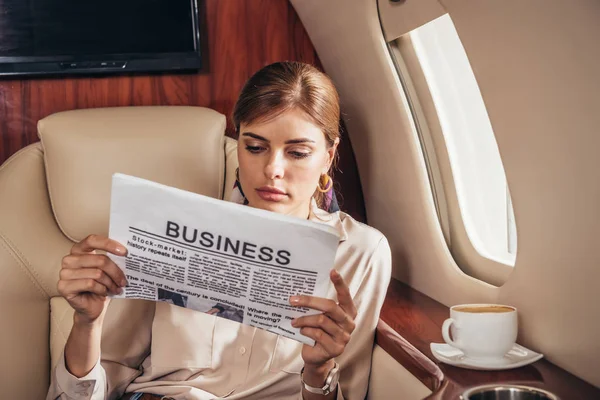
58 191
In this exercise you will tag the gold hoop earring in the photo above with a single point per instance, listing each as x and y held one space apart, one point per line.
328 183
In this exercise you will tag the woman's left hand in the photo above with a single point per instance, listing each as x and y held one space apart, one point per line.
332 329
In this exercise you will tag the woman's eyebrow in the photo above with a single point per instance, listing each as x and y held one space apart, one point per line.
291 141
301 140
255 136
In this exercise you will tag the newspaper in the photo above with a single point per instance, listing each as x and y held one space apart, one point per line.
218 257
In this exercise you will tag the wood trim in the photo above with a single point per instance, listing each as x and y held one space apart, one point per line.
410 321
237 39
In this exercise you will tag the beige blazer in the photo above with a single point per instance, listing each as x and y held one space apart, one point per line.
168 350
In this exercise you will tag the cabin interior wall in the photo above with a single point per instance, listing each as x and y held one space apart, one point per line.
536 66
238 38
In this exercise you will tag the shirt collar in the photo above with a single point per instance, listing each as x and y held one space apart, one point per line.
332 219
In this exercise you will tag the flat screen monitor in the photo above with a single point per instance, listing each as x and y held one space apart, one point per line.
40 37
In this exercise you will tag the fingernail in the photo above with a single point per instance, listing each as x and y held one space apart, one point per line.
119 291
294 322
295 299
121 250
123 282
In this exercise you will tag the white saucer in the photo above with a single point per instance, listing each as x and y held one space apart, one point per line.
518 356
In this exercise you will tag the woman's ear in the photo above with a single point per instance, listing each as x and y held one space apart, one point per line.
331 152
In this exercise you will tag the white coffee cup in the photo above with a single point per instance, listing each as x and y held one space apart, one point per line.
481 331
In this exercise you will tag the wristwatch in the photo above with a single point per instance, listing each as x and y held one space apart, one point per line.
330 382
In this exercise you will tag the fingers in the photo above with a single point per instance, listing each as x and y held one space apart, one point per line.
343 294
343 313
68 289
98 261
327 306
97 242
331 347
70 274
323 322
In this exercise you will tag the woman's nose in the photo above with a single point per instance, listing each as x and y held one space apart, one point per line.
274 168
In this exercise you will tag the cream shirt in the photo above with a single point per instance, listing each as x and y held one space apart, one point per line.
172 351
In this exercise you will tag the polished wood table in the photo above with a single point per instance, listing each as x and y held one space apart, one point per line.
410 321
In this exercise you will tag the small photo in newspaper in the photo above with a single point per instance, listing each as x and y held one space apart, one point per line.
212 308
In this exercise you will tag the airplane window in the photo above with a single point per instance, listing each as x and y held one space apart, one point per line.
472 157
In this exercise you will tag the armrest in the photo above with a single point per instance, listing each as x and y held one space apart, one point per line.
406 354
24 307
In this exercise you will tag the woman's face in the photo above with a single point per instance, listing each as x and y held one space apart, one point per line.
281 161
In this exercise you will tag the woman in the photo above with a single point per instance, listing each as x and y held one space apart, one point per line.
287 119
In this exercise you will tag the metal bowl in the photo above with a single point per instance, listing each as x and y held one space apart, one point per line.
507 392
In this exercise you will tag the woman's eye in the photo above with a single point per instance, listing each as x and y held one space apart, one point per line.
299 154
254 149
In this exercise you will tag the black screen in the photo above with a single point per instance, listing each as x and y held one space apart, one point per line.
33 28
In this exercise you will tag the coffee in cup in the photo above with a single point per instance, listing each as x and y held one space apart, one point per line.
481 331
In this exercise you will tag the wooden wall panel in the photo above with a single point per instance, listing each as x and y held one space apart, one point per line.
239 37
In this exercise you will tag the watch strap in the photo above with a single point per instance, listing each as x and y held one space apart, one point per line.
329 385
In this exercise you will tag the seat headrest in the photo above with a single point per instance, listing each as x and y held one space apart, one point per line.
177 146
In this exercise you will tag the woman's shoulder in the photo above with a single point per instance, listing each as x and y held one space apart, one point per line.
354 235
365 250
362 236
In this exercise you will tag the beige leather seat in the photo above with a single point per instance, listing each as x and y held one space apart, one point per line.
58 191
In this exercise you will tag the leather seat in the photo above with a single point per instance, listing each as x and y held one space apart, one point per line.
57 191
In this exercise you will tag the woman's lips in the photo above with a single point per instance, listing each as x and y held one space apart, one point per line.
271 194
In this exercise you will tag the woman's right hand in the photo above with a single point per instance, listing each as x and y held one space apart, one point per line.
86 278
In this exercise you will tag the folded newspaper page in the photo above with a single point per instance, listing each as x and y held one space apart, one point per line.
218 257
